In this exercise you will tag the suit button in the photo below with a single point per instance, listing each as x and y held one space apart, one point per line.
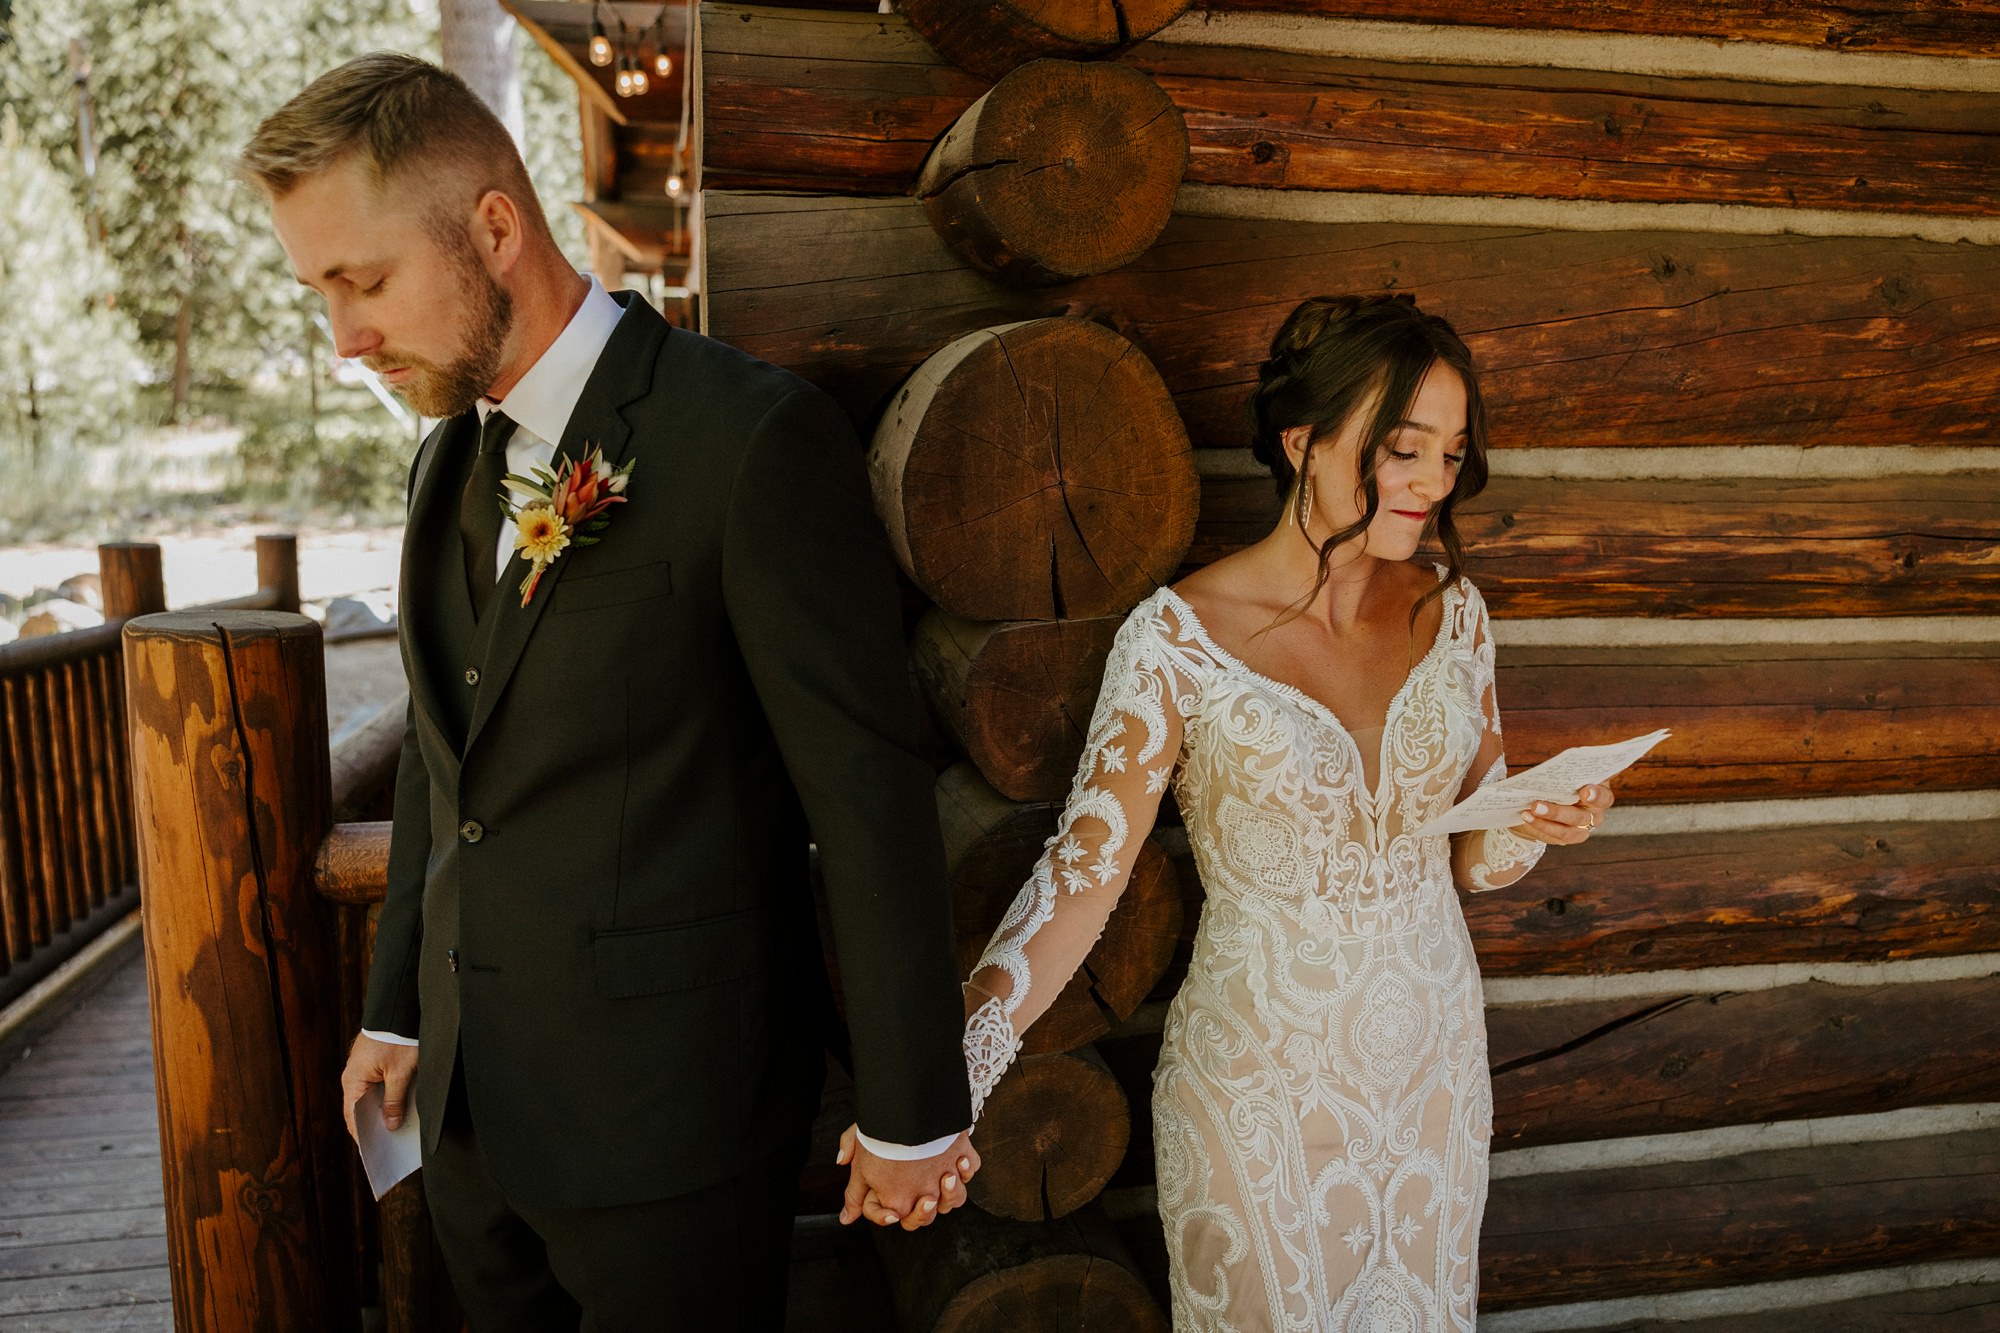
451 956
472 675
470 831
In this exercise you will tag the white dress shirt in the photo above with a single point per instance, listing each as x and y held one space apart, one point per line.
541 404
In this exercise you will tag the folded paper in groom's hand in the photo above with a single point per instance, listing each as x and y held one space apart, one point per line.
387 1154
1557 781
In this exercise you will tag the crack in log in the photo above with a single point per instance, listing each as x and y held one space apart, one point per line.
973 169
301 1132
1602 1030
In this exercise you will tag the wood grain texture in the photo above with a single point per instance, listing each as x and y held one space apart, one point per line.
1765 722
1062 169
1842 893
1035 471
970 1272
994 37
1051 1134
231 793
1769 547
1914 27
1283 120
1016 697
1278 120
1756 1217
1624 339
1611 1068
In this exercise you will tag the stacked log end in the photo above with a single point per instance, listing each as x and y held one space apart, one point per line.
1036 483
974 1273
1062 170
1036 471
991 38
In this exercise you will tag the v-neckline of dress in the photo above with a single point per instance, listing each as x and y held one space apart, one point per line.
1313 704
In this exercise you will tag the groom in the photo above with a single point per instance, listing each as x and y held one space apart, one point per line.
598 954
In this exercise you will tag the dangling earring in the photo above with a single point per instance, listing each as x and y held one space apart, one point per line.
1305 503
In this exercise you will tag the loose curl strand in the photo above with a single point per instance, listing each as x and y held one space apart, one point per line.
1328 359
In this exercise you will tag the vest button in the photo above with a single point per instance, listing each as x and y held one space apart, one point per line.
470 831
472 675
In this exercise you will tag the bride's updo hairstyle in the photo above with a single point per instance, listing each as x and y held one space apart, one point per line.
1331 356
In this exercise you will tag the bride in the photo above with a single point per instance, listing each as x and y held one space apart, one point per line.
1322 1106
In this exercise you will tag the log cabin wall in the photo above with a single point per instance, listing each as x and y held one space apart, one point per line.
1730 274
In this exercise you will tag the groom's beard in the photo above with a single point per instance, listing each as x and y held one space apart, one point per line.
447 390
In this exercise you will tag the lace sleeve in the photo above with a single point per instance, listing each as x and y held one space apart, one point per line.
1489 859
1133 744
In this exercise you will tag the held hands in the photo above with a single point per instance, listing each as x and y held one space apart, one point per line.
1566 825
370 1062
905 1194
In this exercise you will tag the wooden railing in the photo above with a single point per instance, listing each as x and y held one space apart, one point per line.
68 852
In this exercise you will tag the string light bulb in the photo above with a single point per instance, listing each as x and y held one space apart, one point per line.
600 45
675 184
640 83
663 64
624 79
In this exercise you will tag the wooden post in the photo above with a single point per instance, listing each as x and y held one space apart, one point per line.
278 567
130 575
231 796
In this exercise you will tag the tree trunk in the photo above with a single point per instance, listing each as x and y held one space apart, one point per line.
1036 471
477 37
183 366
1061 171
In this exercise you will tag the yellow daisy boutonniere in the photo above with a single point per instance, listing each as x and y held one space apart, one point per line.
561 509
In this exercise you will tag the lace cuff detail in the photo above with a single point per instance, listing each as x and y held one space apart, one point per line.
990 1046
1502 851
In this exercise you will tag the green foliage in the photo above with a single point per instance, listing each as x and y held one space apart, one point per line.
66 357
185 250
351 456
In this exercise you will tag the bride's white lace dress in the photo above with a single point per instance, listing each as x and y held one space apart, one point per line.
1322 1106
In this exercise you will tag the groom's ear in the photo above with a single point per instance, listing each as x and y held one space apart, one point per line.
498 233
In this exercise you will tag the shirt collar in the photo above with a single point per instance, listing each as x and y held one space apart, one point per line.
545 398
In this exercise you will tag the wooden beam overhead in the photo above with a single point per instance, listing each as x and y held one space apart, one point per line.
644 233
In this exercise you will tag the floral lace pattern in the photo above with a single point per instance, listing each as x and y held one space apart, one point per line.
1322 1107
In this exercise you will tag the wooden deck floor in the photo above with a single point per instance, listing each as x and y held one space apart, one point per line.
83 1244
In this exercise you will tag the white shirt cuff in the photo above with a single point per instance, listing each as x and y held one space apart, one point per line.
395 1040
903 1152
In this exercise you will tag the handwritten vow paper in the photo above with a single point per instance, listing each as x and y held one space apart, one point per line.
1556 781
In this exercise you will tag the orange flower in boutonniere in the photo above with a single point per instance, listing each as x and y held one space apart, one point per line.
561 509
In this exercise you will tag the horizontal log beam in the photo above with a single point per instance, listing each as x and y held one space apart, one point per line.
1626 339
1847 893
1594 1070
1605 1069
874 101
1756 1217
1776 547
1850 893
1766 722
1912 27
352 866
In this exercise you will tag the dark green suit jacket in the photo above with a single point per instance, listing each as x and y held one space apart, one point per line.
598 896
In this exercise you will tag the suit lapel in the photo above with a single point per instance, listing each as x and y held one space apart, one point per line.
623 376
425 569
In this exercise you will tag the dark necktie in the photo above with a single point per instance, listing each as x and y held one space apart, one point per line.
479 513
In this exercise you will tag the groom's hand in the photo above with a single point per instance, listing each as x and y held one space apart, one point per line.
370 1062
906 1194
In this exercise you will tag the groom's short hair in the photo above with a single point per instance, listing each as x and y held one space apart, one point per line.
410 123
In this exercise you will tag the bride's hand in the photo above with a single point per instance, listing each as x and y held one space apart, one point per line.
1567 825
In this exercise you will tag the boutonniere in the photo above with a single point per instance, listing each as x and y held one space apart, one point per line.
561 509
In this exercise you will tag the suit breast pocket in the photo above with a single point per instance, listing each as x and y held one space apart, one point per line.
612 587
